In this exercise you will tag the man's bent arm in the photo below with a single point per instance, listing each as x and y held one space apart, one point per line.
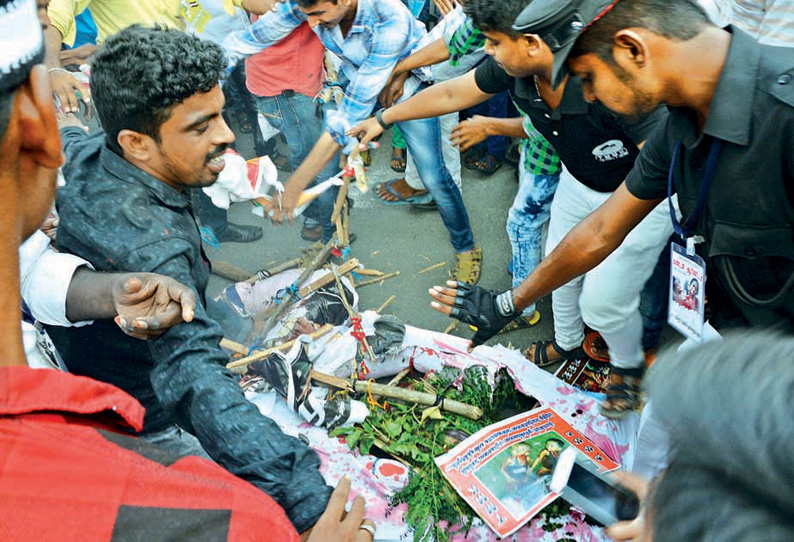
585 246
447 97
433 53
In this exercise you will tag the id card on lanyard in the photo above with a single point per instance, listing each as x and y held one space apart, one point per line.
686 311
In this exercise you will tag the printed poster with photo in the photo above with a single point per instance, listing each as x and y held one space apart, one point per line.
503 470
686 311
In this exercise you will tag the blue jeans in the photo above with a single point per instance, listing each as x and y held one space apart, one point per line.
495 107
297 117
530 211
423 139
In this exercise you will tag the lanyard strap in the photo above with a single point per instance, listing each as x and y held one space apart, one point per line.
688 227
27 315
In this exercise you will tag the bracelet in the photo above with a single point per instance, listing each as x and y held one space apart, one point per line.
504 303
379 117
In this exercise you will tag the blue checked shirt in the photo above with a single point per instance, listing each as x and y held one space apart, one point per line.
382 34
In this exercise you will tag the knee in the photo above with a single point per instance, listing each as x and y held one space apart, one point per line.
607 309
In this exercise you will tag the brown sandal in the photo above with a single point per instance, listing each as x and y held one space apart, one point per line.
624 392
540 356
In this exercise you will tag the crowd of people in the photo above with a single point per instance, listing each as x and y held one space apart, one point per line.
655 151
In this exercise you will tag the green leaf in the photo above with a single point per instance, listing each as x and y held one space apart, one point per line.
353 438
393 428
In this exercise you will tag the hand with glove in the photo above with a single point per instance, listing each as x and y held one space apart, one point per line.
487 310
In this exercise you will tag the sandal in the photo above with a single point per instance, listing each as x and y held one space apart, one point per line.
281 161
398 159
540 355
488 164
471 159
596 347
468 266
397 189
519 322
624 392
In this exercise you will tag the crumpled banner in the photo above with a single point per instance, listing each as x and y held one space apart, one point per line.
426 350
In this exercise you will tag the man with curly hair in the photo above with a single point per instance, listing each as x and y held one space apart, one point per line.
125 207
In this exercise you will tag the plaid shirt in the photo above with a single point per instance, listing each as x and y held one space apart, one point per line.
540 158
383 33
465 40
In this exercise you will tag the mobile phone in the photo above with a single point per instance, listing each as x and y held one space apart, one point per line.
578 480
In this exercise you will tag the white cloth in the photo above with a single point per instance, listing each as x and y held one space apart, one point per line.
607 298
45 276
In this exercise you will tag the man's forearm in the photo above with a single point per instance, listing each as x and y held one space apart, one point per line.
512 127
434 53
447 97
90 295
52 47
322 152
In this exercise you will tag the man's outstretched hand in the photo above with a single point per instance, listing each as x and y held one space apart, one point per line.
147 304
487 310
337 526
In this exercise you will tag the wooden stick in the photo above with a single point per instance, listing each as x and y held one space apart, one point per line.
403 394
265 273
282 307
352 313
229 271
262 354
436 266
328 278
234 346
451 327
377 279
371 272
385 304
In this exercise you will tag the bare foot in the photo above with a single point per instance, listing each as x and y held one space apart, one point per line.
399 186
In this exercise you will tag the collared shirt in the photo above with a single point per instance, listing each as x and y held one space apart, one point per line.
466 59
596 146
69 474
465 40
119 218
383 33
748 222
540 158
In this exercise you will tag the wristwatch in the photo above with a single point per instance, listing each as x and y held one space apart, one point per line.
379 117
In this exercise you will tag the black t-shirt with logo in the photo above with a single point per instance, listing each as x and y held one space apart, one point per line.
596 146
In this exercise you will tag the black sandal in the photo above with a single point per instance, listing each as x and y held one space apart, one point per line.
624 395
541 357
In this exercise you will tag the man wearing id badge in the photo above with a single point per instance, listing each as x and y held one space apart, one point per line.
726 150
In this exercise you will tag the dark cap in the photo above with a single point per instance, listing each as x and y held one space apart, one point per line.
559 23
23 42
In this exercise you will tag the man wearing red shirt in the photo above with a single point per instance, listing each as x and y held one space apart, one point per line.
68 469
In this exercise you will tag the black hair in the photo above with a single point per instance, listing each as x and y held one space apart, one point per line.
727 406
141 73
679 20
496 16
306 4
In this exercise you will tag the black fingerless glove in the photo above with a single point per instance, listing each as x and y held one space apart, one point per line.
487 310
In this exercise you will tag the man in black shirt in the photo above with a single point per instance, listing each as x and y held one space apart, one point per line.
724 90
126 207
598 149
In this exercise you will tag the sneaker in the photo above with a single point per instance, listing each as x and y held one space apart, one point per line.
237 233
468 266
312 234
